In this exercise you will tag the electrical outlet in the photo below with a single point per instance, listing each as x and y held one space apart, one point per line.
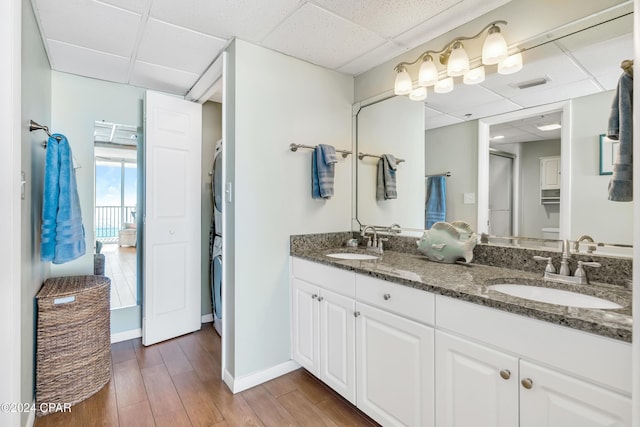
469 198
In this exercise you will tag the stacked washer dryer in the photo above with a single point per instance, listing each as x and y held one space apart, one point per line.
215 238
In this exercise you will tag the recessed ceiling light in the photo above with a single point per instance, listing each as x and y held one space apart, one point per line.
497 137
552 126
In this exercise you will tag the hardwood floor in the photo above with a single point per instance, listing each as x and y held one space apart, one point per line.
120 267
177 383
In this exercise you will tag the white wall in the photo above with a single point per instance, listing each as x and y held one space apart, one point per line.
278 100
455 148
10 286
76 103
591 211
36 105
535 216
393 126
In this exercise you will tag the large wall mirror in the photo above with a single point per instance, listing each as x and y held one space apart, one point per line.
569 78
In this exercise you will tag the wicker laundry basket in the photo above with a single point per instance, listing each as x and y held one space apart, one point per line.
73 347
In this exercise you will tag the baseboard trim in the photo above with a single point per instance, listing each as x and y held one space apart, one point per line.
207 318
126 335
236 385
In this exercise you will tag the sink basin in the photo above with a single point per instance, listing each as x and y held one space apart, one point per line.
360 257
554 296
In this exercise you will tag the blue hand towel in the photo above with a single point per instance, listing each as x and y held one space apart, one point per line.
63 237
324 170
436 206
386 181
621 128
315 187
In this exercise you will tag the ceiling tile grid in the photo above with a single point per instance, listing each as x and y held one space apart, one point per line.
78 60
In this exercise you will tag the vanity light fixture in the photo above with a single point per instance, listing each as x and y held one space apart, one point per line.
551 126
455 58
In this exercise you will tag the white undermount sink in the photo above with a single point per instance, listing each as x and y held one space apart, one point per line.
554 296
346 255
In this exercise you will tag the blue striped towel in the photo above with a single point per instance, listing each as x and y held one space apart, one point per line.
323 162
436 206
63 237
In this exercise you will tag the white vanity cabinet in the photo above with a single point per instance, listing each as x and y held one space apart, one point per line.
475 385
323 324
525 372
394 365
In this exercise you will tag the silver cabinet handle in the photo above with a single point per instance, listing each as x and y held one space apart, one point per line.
527 383
320 299
505 374
356 313
386 297
314 296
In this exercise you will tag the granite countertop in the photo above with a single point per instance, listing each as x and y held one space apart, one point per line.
469 282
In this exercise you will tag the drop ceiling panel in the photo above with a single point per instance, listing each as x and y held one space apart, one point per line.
372 58
165 79
89 24
463 96
436 120
313 34
138 6
555 94
485 110
598 58
387 18
249 20
87 62
176 47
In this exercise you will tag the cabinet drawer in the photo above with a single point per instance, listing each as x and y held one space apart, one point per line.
403 300
331 278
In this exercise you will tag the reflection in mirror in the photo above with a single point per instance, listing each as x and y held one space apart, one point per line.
116 194
582 67
391 126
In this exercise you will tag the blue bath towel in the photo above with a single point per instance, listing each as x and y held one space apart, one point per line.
436 206
386 181
323 162
621 128
63 237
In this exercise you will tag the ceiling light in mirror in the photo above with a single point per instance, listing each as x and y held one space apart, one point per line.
511 65
474 76
551 126
497 137
444 86
418 94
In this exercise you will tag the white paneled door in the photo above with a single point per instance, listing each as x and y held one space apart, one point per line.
171 278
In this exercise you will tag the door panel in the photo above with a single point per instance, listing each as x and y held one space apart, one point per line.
305 325
171 304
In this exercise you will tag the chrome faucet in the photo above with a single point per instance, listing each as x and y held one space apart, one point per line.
376 245
394 228
584 238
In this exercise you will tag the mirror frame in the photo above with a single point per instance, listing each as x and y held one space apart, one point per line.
484 126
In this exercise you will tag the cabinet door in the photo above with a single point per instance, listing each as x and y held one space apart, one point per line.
549 173
475 385
394 368
337 344
305 325
554 399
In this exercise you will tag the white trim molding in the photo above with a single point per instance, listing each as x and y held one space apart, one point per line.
126 335
236 385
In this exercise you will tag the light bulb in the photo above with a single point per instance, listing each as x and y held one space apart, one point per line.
443 86
418 94
458 63
494 49
403 83
428 74
474 76
511 65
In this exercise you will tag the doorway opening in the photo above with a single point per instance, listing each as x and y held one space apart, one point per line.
116 194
